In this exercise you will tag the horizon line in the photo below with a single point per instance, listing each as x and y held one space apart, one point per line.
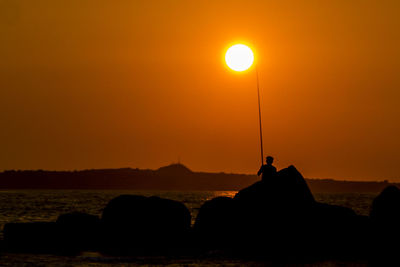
179 163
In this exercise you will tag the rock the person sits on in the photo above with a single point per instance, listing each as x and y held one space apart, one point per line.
267 170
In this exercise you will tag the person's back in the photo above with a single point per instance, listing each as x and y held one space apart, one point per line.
268 171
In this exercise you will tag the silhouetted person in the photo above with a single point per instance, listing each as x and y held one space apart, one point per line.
267 170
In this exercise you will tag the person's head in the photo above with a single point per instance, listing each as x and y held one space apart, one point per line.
270 160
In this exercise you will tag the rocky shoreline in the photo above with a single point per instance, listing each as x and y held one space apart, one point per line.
277 219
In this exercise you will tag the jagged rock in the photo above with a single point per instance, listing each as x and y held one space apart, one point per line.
144 224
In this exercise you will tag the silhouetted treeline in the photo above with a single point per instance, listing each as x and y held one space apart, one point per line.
172 177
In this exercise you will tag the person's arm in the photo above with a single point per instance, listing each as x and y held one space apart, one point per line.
260 171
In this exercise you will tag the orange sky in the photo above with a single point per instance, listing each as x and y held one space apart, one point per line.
96 84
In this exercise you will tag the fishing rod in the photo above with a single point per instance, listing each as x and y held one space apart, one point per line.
259 117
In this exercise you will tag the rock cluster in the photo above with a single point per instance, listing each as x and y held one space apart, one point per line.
274 218
279 217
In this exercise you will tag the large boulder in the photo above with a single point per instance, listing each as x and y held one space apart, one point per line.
216 222
385 219
137 224
275 209
267 216
286 188
385 209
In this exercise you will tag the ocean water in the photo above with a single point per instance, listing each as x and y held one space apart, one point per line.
47 205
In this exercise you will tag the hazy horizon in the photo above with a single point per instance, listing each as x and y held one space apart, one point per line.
106 84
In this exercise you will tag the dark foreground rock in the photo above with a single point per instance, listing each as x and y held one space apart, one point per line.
129 225
216 223
79 231
288 188
385 219
136 224
279 217
40 237
70 234
385 209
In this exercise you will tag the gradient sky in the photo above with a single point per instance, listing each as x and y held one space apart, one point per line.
107 84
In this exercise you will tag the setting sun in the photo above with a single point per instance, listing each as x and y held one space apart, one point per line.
239 57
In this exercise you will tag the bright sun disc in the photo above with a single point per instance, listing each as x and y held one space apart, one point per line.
239 57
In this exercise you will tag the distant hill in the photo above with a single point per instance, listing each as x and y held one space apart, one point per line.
173 177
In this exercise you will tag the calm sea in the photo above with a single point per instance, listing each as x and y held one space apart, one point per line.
36 206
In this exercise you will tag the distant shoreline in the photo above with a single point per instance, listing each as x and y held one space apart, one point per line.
175 177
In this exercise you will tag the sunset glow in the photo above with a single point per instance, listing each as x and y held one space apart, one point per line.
111 84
